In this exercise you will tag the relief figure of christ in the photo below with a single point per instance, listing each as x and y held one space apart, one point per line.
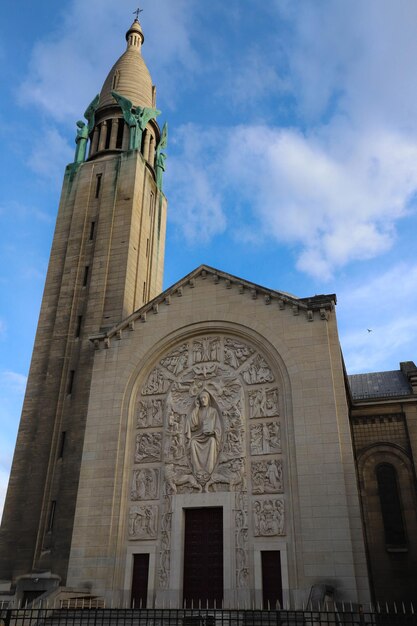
203 433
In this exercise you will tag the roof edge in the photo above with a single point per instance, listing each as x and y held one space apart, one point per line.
321 303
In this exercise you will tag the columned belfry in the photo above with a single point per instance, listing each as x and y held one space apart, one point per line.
106 262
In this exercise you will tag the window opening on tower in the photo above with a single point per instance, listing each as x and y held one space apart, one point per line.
85 278
62 445
78 328
51 516
98 185
71 382
120 129
115 80
108 136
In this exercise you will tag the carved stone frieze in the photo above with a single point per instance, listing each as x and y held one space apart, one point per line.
236 352
165 549
204 434
177 360
265 438
145 484
263 402
206 349
269 517
233 445
257 371
156 383
231 473
198 393
267 477
143 521
177 476
241 540
148 447
150 413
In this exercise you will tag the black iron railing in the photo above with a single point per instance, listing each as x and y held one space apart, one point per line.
322 616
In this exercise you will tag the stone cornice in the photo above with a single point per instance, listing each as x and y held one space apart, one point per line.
316 307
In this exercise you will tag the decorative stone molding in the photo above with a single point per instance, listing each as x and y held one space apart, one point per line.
324 304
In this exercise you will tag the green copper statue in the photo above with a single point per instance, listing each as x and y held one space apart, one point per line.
161 156
90 113
136 118
84 130
81 142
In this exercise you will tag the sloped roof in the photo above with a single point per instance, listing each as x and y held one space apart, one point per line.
319 303
376 385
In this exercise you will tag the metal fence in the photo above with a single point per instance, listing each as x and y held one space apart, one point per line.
338 616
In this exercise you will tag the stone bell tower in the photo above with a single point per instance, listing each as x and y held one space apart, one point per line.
106 261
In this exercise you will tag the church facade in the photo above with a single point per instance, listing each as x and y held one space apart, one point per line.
203 443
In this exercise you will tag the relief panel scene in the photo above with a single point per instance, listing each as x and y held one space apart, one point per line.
207 419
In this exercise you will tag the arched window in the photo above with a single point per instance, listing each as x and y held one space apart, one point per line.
389 498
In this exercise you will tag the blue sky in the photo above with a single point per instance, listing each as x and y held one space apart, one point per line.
292 156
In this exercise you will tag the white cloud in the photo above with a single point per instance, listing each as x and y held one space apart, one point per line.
376 350
13 381
337 200
194 190
384 303
68 69
24 211
250 81
50 154
354 57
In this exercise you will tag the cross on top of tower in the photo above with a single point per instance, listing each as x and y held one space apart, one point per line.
137 13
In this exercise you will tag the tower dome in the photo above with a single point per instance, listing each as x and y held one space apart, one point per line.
129 76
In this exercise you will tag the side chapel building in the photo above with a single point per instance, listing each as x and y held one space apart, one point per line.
200 443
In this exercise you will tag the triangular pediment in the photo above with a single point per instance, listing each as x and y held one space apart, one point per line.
321 303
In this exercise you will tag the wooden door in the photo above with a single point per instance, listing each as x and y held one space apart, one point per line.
140 580
203 557
271 579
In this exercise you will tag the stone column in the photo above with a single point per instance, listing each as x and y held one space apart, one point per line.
152 152
146 144
103 132
94 141
126 134
113 134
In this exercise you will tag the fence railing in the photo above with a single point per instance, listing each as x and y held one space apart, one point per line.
86 616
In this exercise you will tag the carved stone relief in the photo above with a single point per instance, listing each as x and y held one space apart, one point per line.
150 413
165 549
236 353
265 438
257 371
241 540
268 517
196 404
177 361
263 402
148 447
156 383
203 439
206 349
145 484
267 477
143 521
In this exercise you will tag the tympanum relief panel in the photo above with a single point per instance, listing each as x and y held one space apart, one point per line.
207 420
